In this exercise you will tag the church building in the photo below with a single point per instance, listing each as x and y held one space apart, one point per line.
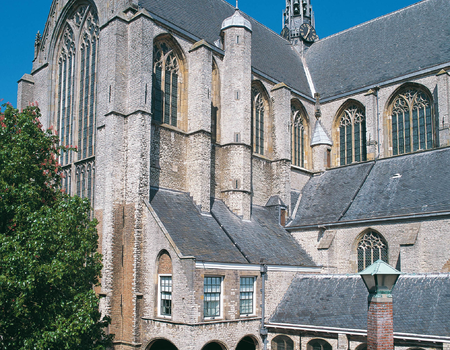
241 177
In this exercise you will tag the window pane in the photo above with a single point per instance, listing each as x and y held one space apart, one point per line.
166 295
246 295
212 296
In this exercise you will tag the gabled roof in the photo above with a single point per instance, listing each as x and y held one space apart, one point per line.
405 185
224 237
420 303
406 41
271 54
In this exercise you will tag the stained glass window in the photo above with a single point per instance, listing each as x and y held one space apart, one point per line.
165 87
298 136
258 110
352 135
371 247
75 107
412 122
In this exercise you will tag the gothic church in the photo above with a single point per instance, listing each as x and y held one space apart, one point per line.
241 177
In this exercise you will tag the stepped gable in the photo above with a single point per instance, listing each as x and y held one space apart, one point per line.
271 54
390 46
403 185
420 302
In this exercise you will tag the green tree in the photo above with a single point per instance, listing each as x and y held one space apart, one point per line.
48 245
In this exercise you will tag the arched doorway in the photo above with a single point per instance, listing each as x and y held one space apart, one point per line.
213 346
246 343
162 344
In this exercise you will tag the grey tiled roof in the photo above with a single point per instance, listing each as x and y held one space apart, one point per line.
223 236
410 184
420 303
271 54
394 45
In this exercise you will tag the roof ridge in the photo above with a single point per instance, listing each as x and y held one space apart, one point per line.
373 20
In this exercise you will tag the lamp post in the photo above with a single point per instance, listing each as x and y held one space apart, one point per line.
380 279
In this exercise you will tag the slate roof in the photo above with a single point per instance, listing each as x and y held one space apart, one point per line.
271 54
420 303
414 38
224 237
404 185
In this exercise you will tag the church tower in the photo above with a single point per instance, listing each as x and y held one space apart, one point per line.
298 24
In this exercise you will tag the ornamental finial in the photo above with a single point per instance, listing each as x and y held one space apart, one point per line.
237 4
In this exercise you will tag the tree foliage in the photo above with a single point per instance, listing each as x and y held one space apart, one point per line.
48 245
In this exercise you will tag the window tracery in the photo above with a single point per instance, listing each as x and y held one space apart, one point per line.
371 247
258 112
412 122
298 136
352 135
75 107
165 84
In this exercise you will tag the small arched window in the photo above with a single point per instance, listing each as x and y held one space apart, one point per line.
165 89
164 285
299 135
352 134
318 344
282 342
413 126
371 247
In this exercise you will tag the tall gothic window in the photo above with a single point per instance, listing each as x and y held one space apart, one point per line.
165 84
298 136
75 109
371 247
352 135
258 112
412 122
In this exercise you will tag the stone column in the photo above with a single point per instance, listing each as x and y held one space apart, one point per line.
199 125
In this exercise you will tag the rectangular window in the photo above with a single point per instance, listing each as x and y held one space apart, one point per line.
165 295
212 292
246 296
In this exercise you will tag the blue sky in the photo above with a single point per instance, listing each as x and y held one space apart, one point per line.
21 20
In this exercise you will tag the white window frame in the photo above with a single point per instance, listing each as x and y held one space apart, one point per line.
253 313
220 316
159 296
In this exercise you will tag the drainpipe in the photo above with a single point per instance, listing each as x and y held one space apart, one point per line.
263 331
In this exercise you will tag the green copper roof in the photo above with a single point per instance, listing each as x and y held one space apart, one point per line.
379 267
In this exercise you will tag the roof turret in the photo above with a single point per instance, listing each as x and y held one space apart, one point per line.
236 20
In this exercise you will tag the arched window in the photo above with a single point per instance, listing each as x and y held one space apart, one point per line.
413 126
352 134
371 247
282 342
318 344
299 135
165 89
258 113
75 105
164 285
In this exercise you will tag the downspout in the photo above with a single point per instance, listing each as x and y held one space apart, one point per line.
263 331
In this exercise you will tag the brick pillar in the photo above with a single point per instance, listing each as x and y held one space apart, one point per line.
380 325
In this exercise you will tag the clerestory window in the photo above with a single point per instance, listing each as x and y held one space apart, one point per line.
258 112
352 134
412 123
298 136
165 89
